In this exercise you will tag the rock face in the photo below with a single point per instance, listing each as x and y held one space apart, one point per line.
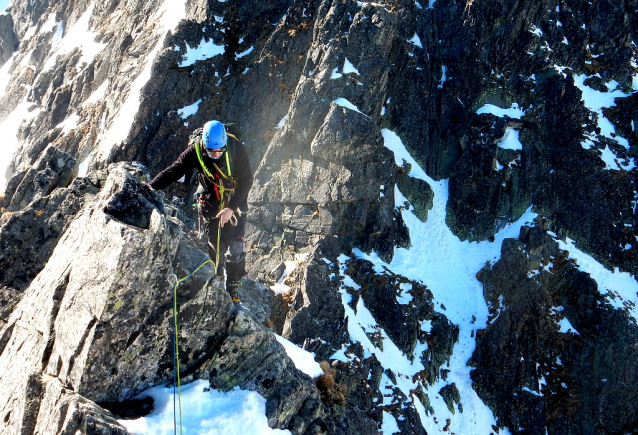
100 322
566 381
41 202
8 40
316 89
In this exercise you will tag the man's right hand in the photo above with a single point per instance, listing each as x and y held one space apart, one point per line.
148 185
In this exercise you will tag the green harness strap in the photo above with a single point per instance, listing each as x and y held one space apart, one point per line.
222 189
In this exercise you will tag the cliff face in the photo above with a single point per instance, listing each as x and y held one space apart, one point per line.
505 106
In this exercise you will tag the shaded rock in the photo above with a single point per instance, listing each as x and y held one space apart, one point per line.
531 374
452 397
47 203
53 169
417 191
485 191
8 40
441 340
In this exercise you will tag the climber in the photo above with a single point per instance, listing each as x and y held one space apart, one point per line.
224 177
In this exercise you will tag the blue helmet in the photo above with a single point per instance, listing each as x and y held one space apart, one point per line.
214 135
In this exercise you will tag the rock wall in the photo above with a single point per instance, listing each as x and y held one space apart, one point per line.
562 381
94 326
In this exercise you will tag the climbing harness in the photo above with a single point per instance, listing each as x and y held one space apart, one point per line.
222 191
220 187
200 223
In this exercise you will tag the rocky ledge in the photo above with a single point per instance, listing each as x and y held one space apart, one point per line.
91 326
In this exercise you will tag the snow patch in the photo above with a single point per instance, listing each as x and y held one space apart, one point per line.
566 327
348 105
536 31
205 50
281 123
513 112
244 53
405 297
348 68
83 168
97 95
443 76
205 412
416 41
187 111
280 286
510 140
389 425
304 360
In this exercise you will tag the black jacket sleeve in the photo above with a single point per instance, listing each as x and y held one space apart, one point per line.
242 171
185 162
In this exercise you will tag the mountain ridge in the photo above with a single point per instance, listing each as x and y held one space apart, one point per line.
317 91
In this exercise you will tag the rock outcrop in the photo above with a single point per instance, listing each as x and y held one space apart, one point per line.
94 326
562 381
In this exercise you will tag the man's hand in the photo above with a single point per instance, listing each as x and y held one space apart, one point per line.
147 185
224 216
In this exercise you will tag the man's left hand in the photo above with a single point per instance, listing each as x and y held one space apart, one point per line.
224 216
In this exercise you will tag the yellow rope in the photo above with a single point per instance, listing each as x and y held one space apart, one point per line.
177 368
177 281
179 382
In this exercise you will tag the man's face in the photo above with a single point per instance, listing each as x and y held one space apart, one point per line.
216 153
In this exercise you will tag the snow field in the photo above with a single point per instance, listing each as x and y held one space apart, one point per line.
448 267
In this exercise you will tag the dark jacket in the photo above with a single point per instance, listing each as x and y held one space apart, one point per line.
239 168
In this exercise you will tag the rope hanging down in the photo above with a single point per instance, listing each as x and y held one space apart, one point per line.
174 282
